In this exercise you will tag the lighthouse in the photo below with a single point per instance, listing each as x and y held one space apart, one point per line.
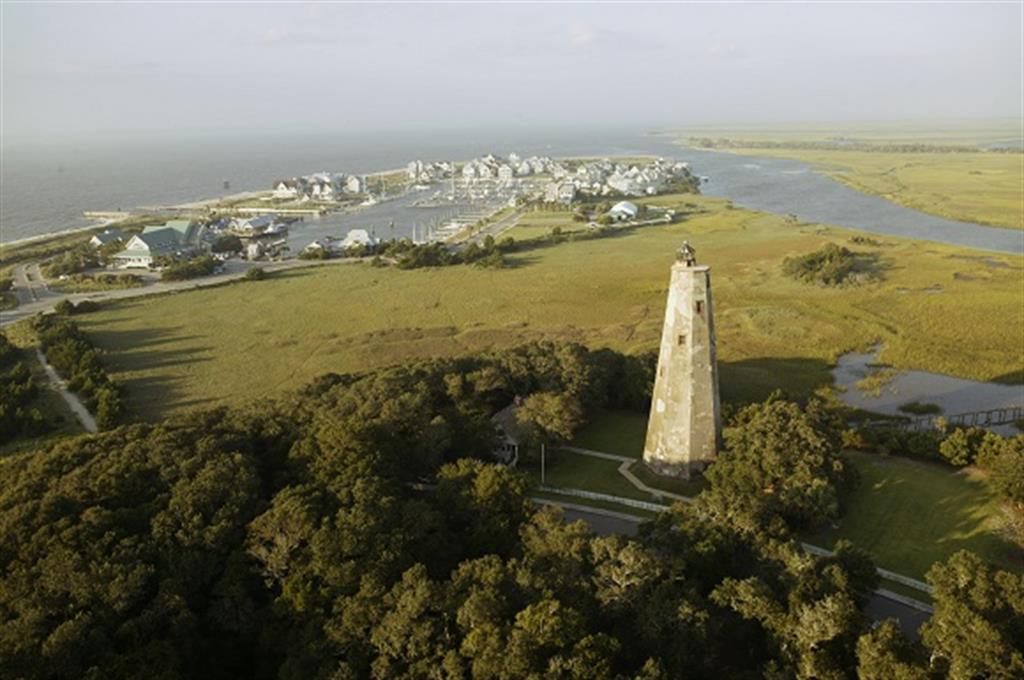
684 426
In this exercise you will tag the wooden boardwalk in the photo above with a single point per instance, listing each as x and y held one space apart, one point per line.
988 418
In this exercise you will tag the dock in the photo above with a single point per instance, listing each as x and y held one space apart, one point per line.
105 215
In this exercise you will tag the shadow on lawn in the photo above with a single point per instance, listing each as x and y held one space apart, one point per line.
147 351
751 380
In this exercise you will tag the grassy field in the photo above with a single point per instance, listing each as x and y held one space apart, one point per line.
234 344
986 188
575 471
910 514
618 432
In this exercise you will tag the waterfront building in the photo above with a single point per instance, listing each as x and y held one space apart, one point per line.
107 236
142 250
287 188
355 185
358 237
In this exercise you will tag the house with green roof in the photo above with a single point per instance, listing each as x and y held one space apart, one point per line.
177 238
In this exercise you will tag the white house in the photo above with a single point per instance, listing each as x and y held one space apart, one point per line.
107 236
505 173
357 237
253 225
142 249
624 211
287 188
355 185
563 192
254 250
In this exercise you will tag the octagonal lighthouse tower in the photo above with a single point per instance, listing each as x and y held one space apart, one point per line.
684 427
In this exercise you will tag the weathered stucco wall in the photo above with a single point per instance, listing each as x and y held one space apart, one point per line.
684 425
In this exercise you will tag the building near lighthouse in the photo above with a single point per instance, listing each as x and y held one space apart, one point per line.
684 427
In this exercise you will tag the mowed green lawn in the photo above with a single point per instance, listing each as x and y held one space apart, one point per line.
250 341
910 514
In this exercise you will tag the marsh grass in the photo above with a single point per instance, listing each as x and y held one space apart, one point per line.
984 188
238 344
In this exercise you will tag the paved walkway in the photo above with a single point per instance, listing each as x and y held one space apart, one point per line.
624 464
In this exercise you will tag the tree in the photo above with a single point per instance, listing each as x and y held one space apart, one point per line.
1004 460
227 243
550 416
780 463
485 503
977 629
884 653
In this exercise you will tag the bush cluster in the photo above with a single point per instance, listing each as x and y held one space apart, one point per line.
408 255
71 262
190 269
67 307
73 355
18 417
830 266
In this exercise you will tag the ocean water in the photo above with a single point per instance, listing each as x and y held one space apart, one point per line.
45 187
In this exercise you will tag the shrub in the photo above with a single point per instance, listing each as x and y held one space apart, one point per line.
190 269
960 447
830 266
6 284
918 409
72 262
256 274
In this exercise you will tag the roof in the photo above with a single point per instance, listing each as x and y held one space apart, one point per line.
258 221
133 253
158 241
507 423
626 207
108 236
358 237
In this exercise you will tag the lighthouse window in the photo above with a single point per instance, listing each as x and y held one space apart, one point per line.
682 340
700 306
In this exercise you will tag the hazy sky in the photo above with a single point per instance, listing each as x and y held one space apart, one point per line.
87 68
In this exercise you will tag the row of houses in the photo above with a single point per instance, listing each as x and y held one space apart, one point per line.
504 170
320 186
419 171
602 178
186 238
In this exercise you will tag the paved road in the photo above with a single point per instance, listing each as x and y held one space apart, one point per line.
878 608
499 227
35 297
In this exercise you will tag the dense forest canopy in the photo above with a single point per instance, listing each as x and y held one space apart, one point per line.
357 530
